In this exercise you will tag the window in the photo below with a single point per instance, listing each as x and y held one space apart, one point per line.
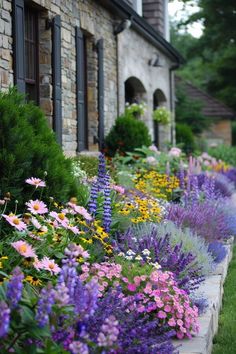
31 54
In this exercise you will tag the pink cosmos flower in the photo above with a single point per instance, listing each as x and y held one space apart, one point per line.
36 223
82 211
15 221
37 207
118 188
74 229
60 218
37 182
24 249
50 265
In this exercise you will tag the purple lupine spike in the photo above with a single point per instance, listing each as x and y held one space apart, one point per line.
68 272
44 306
107 205
181 176
92 204
101 172
4 318
15 287
195 190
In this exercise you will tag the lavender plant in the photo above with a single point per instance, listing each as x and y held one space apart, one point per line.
190 241
151 247
218 251
205 219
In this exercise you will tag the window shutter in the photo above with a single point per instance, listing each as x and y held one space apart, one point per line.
100 47
80 87
56 77
19 44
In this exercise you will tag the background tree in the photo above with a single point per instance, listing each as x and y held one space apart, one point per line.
211 58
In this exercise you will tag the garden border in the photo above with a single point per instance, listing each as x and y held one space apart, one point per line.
212 289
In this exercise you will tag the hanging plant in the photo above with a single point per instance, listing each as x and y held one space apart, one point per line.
161 115
135 110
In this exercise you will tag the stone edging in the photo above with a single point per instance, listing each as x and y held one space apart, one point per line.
212 289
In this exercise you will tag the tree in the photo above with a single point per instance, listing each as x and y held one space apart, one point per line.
212 57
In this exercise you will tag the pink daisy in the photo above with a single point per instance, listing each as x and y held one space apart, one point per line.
82 211
50 265
24 249
60 218
37 182
37 207
15 221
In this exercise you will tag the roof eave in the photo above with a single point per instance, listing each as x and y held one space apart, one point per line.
140 25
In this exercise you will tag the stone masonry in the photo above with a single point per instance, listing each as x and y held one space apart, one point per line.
126 55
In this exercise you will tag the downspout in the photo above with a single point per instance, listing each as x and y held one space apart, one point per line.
172 103
117 76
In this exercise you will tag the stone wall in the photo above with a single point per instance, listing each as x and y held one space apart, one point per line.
134 56
97 23
6 63
220 132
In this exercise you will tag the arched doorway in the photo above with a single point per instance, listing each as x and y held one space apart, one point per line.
134 91
159 100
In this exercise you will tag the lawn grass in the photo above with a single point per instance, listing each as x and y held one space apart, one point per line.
225 340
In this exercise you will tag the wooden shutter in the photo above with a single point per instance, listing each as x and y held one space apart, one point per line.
100 47
56 76
80 88
19 44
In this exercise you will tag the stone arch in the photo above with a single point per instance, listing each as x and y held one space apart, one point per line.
159 100
135 91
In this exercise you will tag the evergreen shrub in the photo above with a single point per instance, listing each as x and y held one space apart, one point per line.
127 134
28 149
184 136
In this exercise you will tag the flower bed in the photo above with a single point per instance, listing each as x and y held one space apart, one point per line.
119 269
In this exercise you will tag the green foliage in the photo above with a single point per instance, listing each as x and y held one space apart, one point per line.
211 58
89 164
225 153
127 134
189 111
184 137
234 133
28 149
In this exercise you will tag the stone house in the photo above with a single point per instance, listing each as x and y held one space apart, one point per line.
82 60
220 116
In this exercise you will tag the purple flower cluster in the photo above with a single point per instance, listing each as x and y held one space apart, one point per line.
218 251
15 287
205 219
171 258
107 205
44 307
4 319
137 334
101 187
109 332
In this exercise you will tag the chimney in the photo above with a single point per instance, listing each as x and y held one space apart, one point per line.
155 13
